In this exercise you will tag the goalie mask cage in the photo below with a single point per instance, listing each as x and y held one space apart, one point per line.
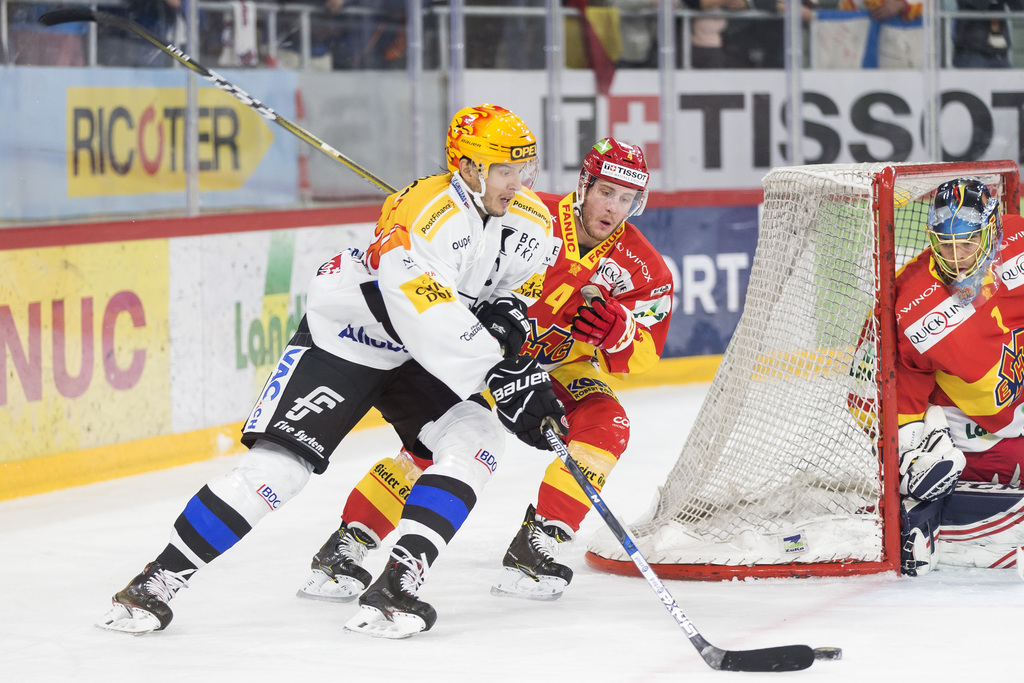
791 467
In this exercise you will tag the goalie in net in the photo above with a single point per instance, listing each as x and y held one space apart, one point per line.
793 465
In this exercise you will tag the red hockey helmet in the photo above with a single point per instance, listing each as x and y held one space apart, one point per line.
619 163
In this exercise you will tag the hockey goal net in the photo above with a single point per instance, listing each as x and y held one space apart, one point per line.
790 467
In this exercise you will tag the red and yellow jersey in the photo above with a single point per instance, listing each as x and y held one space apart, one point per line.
967 358
626 267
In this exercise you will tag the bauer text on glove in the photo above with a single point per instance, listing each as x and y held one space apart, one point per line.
605 323
524 400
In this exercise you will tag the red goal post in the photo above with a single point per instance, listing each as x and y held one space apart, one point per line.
790 468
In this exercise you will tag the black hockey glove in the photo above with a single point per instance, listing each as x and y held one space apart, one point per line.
525 401
507 321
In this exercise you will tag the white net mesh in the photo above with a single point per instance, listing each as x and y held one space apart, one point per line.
778 468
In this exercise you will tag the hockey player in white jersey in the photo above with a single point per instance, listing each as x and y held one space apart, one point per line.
390 325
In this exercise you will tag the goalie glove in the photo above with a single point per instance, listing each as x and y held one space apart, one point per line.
507 321
525 401
605 323
929 469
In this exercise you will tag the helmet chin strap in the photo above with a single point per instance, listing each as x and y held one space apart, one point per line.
478 197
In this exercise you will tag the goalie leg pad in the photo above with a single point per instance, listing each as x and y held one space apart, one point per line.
918 524
982 525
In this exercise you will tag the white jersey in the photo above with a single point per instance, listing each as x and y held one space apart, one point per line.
409 293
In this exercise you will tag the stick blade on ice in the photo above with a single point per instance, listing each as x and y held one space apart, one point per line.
785 658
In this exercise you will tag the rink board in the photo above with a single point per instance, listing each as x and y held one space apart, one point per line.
134 346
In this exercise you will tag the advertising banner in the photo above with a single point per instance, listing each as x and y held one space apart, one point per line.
165 343
84 346
102 142
729 131
710 251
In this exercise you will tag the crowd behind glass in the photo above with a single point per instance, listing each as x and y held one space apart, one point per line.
372 34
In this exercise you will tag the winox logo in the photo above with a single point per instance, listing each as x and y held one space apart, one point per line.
315 401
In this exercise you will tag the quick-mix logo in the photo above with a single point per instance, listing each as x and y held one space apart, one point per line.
937 323
1011 273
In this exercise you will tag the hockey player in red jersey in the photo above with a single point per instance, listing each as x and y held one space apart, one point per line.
960 383
580 343
390 324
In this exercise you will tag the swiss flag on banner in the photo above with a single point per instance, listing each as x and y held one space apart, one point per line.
600 62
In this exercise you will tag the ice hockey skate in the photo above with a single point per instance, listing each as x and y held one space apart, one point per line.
337 574
390 607
529 569
142 606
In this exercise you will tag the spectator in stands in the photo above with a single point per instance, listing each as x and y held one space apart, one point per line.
886 34
983 43
372 36
760 43
638 29
325 27
37 45
118 48
707 48
513 42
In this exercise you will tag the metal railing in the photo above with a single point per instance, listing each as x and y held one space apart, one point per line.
438 51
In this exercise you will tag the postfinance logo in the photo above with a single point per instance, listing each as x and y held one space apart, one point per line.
127 141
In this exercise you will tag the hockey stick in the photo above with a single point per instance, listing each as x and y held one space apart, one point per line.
783 658
66 16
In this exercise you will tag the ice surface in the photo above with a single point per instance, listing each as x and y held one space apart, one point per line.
65 553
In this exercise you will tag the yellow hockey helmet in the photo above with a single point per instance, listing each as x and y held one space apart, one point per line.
488 134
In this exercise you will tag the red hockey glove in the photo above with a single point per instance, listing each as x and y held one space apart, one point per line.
605 323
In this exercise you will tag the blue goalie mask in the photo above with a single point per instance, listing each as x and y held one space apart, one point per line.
965 233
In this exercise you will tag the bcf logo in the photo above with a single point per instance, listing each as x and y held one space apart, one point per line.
315 401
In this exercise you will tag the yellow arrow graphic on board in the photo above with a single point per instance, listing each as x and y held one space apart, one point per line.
127 141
